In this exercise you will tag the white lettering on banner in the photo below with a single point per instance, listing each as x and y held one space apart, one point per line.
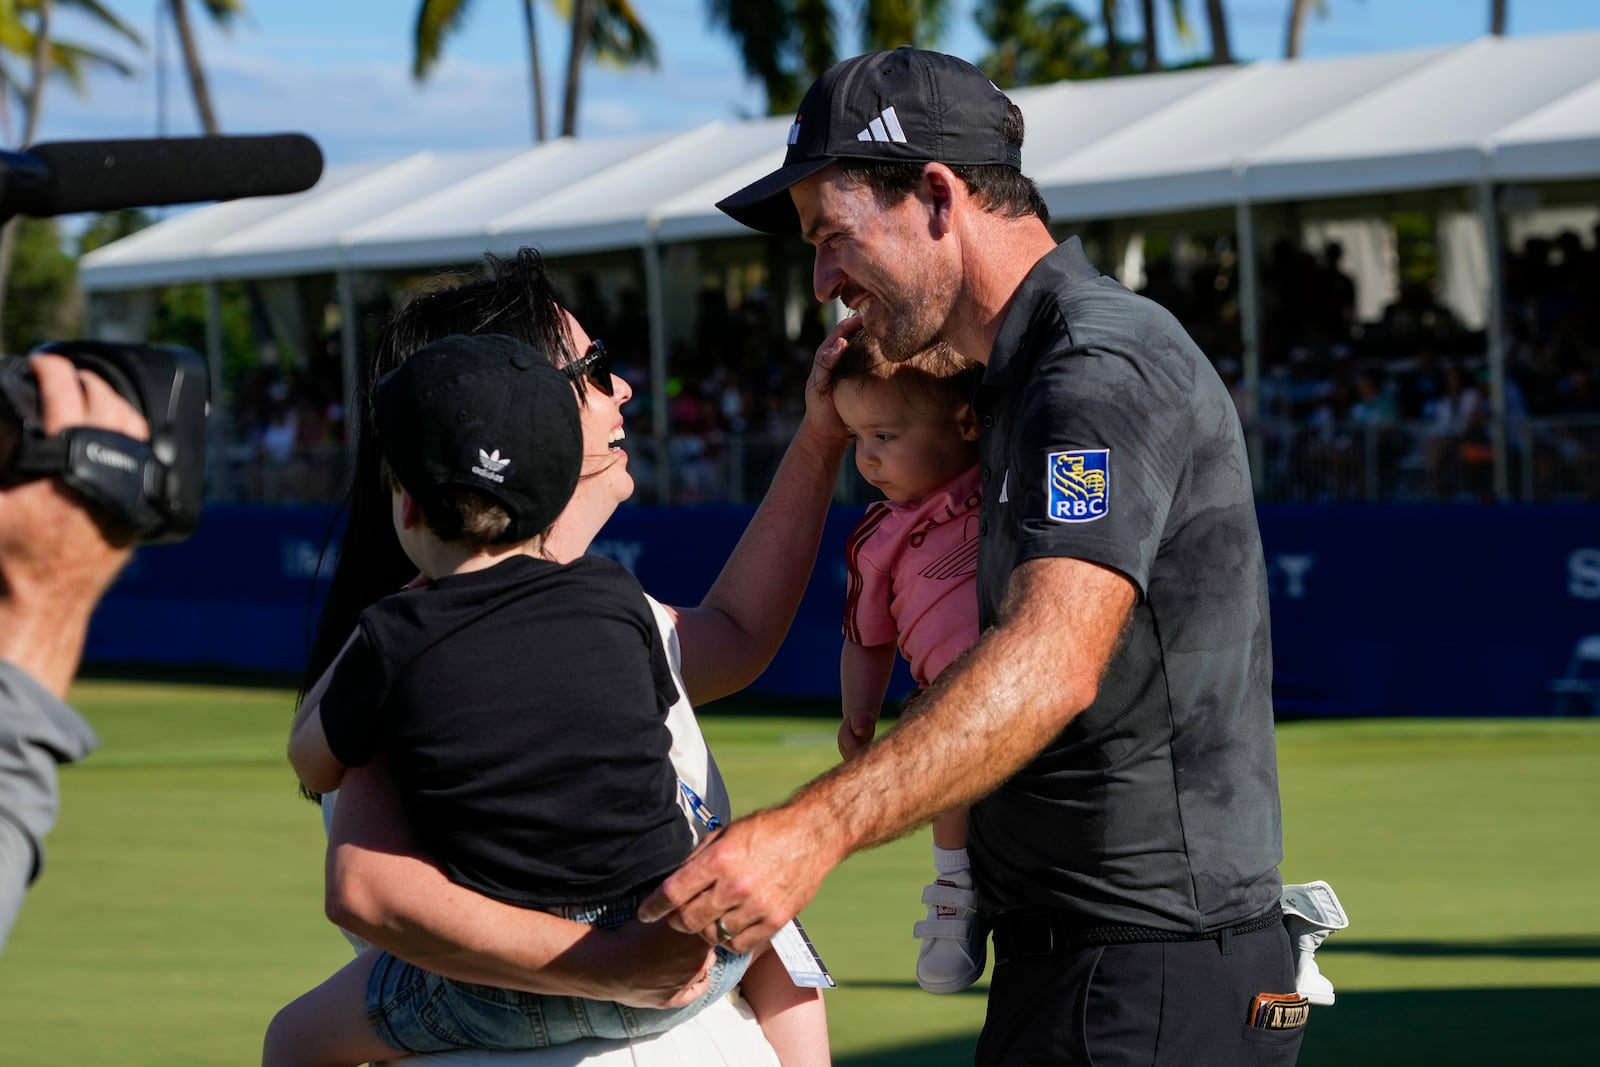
1583 574
301 558
626 553
1293 571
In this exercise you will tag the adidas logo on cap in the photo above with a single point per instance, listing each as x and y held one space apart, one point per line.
886 127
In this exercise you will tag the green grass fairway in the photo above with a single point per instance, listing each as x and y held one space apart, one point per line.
181 903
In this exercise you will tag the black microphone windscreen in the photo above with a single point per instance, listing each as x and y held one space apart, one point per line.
110 175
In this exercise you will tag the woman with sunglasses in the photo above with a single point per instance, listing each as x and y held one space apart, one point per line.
382 890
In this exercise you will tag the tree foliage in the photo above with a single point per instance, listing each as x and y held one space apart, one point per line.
1034 43
612 33
41 307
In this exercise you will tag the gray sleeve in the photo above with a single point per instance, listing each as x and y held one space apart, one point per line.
37 732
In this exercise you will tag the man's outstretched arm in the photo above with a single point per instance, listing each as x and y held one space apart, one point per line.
1029 675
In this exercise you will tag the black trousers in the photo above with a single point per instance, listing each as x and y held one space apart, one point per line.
1151 1004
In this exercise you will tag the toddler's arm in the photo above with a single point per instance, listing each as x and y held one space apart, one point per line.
864 672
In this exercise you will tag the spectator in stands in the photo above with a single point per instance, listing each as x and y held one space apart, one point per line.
1333 298
1457 433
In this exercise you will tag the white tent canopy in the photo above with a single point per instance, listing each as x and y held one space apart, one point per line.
1494 110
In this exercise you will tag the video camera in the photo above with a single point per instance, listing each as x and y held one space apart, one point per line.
149 491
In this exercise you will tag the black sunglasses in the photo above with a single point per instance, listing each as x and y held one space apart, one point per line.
593 367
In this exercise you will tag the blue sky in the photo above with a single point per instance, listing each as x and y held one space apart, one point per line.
339 70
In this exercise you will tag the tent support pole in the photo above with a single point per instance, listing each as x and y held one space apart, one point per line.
347 351
217 433
1250 332
1489 212
655 302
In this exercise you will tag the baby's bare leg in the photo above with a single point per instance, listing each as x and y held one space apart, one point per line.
793 1019
328 1026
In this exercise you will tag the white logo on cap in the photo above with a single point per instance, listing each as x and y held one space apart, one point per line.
490 465
794 130
886 127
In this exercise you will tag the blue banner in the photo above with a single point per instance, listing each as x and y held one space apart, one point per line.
1425 611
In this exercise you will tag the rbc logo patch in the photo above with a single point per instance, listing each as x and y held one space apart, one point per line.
1079 484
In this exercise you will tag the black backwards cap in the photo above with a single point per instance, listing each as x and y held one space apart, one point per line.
909 105
486 412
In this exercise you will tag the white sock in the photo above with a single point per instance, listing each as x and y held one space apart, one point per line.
950 862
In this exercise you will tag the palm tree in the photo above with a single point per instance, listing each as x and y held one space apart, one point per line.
1150 22
888 24
1298 10
1032 43
785 44
612 32
67 61
25 31
582 17
1108 19
223 13
1217 19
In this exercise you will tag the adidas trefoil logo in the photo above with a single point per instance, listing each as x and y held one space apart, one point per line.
886 127
490 465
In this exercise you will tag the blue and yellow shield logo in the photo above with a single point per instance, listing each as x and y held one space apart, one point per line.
1079 488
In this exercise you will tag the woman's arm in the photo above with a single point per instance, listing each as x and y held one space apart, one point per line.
319 770
382 890
732 636
313 761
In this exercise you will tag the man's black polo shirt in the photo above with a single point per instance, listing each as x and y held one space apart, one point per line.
1108 437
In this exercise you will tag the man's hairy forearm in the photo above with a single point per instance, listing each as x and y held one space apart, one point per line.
987 716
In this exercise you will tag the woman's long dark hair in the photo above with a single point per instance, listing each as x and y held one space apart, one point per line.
511 296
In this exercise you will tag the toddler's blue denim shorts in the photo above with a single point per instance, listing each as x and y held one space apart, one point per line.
417 1011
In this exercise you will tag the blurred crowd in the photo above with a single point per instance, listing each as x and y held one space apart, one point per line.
1400 408
1393 409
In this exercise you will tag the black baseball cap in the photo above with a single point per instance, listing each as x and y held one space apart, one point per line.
908 105
487 412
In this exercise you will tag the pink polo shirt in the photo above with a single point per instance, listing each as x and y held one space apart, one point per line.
913 571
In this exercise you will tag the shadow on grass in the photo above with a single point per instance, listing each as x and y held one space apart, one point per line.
1586 947
950 1052
1550 1027
1458 1027
910 985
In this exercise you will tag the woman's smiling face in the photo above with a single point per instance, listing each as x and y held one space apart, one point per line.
605 462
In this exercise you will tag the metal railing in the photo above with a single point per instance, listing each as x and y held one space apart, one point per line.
1549 459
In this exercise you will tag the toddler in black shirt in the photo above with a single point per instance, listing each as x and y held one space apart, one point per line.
520 703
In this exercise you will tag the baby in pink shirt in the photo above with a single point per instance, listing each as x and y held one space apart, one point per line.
913 563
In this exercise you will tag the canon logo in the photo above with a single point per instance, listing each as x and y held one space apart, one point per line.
107 457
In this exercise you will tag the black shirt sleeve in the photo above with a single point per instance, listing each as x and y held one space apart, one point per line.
350 706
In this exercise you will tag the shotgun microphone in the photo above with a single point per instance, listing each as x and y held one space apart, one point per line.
67 177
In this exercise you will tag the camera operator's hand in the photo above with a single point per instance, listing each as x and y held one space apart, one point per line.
55 560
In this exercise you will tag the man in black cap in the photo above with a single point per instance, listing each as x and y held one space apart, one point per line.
1113 727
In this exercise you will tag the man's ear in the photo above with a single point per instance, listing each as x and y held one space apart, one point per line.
967 422
942 189
410 511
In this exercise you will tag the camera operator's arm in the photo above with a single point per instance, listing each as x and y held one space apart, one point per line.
54 564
